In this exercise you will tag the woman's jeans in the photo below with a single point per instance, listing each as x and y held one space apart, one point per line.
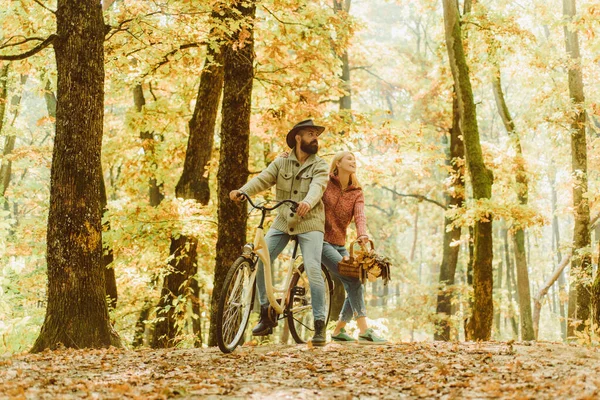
311 244
354 303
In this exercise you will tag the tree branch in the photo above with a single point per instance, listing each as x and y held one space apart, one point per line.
165 58
383 210
25 40
368 71
537 299
416 196
119 28
43 6
36 49
284 22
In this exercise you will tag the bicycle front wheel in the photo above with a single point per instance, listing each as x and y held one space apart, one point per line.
300 316
235 304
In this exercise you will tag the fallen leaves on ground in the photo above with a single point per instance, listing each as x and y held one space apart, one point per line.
404 370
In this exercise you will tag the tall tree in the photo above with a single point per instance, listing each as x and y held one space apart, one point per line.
454 199
238 58
581 263
4 67
342 8
155 194
9 142
522 189
110 278
480 324
509 280
193 184
77 311
556 247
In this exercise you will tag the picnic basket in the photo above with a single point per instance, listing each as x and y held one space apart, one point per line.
365 264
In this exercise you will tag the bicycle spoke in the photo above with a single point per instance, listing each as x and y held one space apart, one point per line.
235 306
299 309
300 316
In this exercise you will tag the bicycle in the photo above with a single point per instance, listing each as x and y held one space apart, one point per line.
239 287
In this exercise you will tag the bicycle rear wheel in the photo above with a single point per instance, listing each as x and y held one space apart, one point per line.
235 304
300 316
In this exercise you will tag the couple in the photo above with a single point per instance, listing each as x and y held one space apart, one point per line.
327 204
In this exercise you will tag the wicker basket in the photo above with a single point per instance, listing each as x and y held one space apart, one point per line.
366 265
351 267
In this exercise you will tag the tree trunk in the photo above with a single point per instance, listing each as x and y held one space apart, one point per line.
469 277
523 286
235 138
480 324
455 153
3 91
50 98
509 285
196 311
556 247
413 248
581 265
498 285
155 194
107 255
345 101
343 6
522 189
9 143
193 184
177 287
140 326
77 311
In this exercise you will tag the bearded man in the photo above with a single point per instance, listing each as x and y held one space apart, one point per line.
302 177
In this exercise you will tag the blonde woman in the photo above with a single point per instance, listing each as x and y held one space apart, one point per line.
344 201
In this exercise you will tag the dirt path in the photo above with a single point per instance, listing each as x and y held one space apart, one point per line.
407 370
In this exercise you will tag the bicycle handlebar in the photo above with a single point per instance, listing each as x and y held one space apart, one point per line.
294 204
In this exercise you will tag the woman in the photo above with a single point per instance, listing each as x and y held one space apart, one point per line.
344 200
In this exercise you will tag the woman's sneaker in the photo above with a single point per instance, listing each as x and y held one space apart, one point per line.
369 338
343 338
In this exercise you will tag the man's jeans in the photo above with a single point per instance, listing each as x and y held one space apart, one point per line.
354 303
311 245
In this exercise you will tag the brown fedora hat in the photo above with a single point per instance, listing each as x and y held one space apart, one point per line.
307 123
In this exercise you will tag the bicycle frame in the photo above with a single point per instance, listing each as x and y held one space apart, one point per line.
262 251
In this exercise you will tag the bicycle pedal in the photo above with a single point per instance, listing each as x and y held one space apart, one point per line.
298 291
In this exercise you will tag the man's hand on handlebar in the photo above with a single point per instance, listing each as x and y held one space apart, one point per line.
303 208
236 195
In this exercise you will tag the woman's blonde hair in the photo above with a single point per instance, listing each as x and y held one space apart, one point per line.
333 170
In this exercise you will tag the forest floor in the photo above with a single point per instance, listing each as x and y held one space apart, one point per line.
404 370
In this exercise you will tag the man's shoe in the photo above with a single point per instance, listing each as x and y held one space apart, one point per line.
319 337
343 338
369 338
265 324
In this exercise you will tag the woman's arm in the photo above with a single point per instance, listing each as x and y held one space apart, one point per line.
360 220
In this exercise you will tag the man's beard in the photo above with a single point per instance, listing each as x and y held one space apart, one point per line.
310 148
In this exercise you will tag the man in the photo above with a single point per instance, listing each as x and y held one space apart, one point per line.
302 177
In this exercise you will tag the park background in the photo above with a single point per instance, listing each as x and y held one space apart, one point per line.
377 74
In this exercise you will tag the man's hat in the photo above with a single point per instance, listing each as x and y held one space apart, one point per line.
307 123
